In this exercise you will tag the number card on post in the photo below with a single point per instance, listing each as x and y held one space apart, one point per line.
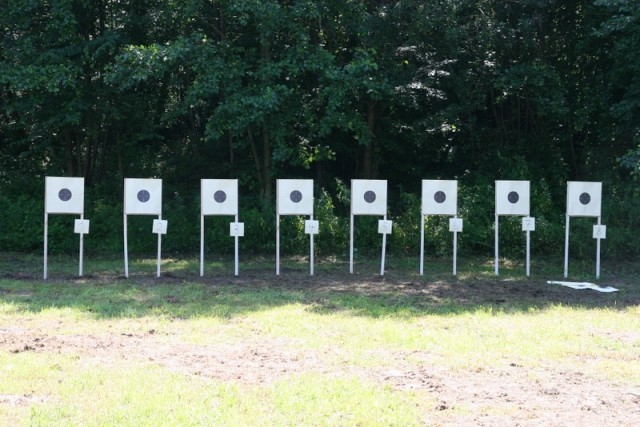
528 223
385 226
159 226
455 225
311 226
81 226
236 229
599 231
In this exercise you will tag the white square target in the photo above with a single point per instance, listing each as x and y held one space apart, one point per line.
439 197
512 198
64 195
368 197
142 196
219 196
294 196
584 198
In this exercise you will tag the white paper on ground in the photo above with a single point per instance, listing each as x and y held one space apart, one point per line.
583 285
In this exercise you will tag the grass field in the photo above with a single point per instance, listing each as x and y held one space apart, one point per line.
333 349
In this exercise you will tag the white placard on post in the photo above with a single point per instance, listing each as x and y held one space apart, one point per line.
81 226
294 197
368 197
159 226
311 227
236 229
385 226
513 198
455 225
143 196
599 231
220 197
528 223
64 195
583 199
440 197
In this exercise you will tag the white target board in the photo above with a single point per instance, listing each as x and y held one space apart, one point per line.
584 198
512 198
294 196
439 197
368 197
219 196
142 196
64 195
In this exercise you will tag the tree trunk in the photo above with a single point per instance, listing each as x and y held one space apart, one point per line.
367 155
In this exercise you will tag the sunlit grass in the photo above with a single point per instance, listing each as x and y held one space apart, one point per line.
346 332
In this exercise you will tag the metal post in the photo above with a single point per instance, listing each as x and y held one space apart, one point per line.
421 244
311 252
455 248
528 253
598 254
46 232
277 245
236 250
126 250
81 247
201 245
566 248
496 268
159 249
384 249
351 245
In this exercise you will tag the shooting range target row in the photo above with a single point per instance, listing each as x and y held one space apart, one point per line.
65 195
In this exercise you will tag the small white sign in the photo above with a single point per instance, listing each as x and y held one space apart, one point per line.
311 226
142 196
599 231
512 198
160 226
368 197
385 226
219 197
294 196
64 195
528 223
439 197
584 198
236 229
455 225
81 226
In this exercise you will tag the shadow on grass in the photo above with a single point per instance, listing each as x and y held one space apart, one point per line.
182 293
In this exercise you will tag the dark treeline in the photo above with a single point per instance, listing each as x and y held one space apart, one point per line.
474 90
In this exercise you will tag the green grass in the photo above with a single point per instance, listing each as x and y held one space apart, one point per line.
336 345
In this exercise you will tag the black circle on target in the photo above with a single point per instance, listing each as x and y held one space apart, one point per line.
369 196
220 196
64 194
513 197
143 196
585 198
295 196
440 197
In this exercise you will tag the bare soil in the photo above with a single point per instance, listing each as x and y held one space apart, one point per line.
508 394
